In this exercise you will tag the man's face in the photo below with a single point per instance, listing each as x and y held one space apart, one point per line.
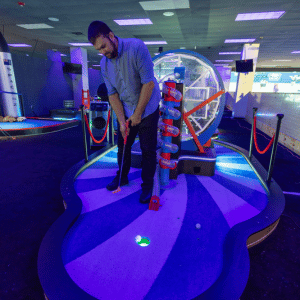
106 45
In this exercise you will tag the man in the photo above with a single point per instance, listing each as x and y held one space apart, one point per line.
134 95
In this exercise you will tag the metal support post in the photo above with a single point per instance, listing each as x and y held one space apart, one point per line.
252 133
111 139
274 148
84 133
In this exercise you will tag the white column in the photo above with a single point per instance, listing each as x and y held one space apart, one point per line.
80 82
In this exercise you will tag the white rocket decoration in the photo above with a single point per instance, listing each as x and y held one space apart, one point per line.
8 88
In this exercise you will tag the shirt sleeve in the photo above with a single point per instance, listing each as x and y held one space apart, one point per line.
144 63
110 88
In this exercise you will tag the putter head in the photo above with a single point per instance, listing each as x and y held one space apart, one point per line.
117 190
154 203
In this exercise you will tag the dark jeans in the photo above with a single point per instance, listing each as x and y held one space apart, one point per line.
147 131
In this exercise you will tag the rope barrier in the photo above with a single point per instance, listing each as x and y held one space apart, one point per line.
255 140
88 127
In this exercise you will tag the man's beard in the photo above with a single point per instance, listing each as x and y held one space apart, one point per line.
114 53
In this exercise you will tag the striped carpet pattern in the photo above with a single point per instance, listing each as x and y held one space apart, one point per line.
101 253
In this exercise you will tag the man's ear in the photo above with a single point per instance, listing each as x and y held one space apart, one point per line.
111 35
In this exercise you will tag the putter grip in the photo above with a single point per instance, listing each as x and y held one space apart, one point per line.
126 133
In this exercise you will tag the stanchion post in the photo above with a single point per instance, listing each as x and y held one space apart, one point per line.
252 133
274 148
84 133
111 128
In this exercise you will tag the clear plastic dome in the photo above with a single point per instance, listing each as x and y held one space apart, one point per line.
200 83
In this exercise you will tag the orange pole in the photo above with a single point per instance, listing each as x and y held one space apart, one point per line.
204 103
192 131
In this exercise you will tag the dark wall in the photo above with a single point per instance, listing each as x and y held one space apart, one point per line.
42 83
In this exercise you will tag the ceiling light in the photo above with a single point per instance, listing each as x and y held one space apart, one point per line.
168 14
221 65
295 52
260 16
63 54
240 41
100 54
133 22
35 26
229 53
155 43
19 45
53 19
156 53
224 60
80 44
165 4
182 47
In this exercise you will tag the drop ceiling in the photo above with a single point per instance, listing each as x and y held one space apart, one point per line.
200 25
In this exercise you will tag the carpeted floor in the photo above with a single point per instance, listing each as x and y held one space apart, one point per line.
31 172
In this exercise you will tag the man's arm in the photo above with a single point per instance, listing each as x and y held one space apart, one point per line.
144 98
117 106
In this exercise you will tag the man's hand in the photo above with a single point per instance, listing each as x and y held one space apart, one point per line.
135 119
123 130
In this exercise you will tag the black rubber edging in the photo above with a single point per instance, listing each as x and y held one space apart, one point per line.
236 262
55 281
42 130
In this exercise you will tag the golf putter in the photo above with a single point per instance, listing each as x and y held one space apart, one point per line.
125 141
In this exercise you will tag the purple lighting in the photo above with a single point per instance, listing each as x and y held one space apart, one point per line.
134 22
259 16
295 52
19 45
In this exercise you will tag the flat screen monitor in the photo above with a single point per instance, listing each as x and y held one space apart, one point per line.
244 66
72 68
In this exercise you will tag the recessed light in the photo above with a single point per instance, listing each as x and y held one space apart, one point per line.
168 14
53 19
35 26
81 44
19 45
155 43
229 53
260 16
239 41
134 22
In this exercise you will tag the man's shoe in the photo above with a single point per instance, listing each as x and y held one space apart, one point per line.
115 183
146 196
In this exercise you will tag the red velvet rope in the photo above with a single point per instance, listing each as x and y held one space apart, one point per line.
88 127
255 140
